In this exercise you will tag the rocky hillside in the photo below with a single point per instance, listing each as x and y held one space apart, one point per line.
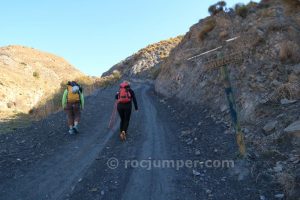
29 77
265 83
146 61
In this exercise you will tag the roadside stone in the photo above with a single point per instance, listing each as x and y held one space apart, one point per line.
240 170
276 83
262 197
270 126
185 133
223 108
293 128
246 131
196 173
208 191
287 101
189 141
278 168
279 196
93 190
294 159
296 69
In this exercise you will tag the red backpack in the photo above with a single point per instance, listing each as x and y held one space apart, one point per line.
124 94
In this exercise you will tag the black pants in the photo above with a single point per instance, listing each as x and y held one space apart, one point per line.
124 110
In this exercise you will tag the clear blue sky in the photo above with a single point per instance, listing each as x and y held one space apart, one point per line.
93 35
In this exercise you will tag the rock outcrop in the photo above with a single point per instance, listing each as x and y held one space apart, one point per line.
269 39
146 62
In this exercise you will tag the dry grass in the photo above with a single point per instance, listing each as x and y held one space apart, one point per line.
206 28
288 91
287 181
223 35
18 120
268 13
109 80
289 52
53 103
292 5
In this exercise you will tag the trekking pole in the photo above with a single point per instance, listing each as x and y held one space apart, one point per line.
113 116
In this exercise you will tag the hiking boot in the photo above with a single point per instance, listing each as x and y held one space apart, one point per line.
123 135
71 131
75 128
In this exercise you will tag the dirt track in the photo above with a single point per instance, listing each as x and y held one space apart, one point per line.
41 162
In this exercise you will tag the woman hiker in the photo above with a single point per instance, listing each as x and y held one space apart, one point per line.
72 103
124 98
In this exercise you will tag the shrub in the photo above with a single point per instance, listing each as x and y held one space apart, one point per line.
252 4
267 13
35 74
263 4
289 51
216 8
287 181
207 27
223 35
155 72
293 5
241 10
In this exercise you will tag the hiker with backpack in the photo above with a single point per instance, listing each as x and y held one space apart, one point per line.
72 103
124 98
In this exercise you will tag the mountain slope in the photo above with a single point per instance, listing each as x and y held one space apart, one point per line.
145 61
29 76
266 84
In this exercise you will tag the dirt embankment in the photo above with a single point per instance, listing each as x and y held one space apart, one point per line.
266 83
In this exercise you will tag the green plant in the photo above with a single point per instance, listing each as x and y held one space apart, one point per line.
36 74
241 10
264 4
216 8
207 27
252 4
